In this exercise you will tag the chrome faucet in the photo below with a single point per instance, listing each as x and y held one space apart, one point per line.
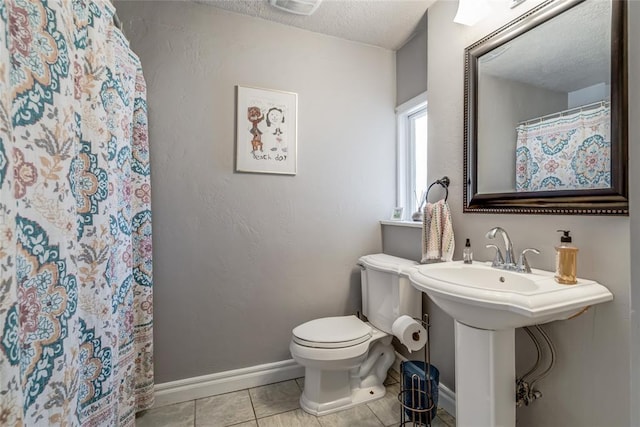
523 264
508 246
508 262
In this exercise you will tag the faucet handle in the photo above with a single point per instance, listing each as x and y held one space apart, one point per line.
523 264
498 260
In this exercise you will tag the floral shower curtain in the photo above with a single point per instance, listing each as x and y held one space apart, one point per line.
565 153
75 218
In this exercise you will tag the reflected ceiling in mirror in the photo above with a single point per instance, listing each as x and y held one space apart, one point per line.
545 112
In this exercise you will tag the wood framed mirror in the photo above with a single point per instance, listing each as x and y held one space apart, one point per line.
545 120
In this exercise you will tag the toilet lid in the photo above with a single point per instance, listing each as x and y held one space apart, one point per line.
332 332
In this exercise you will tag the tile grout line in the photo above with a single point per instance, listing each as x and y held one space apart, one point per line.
195 402
280 413
253 409
276 413
376 415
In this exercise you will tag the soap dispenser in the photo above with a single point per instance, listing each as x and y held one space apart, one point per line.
566 260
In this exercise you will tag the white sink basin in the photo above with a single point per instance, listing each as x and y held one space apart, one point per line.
480 296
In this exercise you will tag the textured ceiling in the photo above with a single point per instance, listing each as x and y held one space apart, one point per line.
385 23
569 52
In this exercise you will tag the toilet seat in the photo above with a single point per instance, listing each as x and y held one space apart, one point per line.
332 332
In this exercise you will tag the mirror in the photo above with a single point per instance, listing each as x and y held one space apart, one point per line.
546 112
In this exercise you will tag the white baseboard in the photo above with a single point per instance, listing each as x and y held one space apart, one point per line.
225 382
446 397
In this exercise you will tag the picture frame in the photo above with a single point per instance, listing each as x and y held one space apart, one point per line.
266 131
396 214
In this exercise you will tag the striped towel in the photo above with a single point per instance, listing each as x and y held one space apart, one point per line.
437 233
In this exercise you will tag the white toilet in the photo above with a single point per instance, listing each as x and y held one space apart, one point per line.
346 360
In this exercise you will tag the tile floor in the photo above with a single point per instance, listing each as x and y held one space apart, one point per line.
276 405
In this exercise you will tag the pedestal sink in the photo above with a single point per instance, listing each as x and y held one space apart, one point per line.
487 305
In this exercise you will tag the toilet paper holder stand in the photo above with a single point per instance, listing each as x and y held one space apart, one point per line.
416 397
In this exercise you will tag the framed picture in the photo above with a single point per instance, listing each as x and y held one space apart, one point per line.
396 214
266 131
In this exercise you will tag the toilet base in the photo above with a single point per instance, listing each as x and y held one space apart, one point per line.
357 397
328 390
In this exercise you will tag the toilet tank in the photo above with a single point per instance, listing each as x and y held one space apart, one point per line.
386 291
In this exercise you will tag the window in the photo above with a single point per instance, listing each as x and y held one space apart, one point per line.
412 153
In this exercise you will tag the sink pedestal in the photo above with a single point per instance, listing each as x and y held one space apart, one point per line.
485 377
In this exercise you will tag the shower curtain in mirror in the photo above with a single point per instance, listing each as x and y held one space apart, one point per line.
569 152
75 219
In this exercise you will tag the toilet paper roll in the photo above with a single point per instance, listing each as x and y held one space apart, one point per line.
410 332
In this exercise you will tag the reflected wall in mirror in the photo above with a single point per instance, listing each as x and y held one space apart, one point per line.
546 112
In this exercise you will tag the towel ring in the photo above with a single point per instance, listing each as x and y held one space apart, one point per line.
444 183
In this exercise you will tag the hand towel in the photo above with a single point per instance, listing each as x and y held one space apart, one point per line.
438 240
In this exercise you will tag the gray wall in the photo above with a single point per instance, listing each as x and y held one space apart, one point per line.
588 95
241 259
411 65
589 385
502 105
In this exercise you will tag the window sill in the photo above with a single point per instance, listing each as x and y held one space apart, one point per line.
410 224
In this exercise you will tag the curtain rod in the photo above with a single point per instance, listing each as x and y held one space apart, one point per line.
585 107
